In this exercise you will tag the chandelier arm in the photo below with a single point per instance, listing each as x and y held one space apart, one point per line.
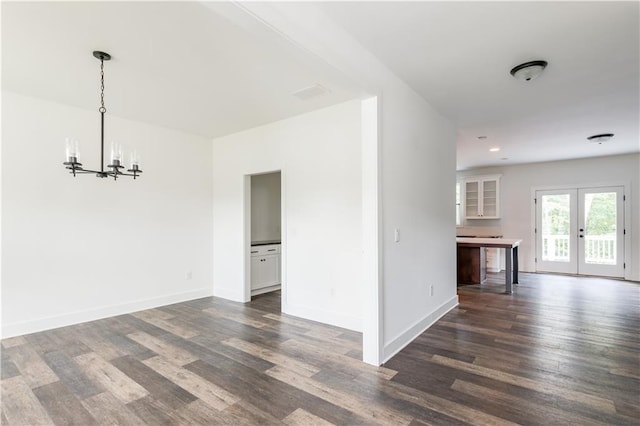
86 171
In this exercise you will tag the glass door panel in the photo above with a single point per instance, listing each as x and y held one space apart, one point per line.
580 231
600 234
555 230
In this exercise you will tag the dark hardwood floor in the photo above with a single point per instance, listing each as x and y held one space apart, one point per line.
559 350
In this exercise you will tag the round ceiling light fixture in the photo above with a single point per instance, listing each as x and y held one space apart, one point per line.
529 70
603 137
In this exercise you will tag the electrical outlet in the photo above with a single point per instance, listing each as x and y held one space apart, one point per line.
188 275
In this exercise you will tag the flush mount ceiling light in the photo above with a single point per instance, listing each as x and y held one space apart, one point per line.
73 156
529 70
603 137
482 137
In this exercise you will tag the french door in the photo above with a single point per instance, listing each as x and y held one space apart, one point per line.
580 231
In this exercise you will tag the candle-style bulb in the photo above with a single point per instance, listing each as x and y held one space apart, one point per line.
71 149
116 152
135 158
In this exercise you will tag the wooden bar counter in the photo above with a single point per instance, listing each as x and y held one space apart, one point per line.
510 246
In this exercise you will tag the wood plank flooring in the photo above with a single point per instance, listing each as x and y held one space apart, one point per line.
559 350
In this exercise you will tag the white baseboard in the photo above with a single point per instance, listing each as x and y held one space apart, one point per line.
265 290
332 318
229 294
41 324
400 342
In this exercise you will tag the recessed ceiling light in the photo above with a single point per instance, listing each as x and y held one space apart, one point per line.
529 70
482 137
495 149
603 137
504 158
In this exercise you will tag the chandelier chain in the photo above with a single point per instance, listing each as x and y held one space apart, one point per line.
102 109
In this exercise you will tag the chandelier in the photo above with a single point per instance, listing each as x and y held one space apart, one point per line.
115 167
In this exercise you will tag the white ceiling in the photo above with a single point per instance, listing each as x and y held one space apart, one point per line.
184 65
458 55
180 65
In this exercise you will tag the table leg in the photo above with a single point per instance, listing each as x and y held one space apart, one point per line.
515 265
507 273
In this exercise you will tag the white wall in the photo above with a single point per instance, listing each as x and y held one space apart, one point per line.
418 181
265 207
319 156
415 165
517 206
77 249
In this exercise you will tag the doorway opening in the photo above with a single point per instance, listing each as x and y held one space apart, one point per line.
580 231
265 265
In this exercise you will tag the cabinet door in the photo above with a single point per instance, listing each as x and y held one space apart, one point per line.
482 198
255 271
270 271
493 259
490 198
472 199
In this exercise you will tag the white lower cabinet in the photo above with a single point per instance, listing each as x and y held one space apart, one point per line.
493 259
265 268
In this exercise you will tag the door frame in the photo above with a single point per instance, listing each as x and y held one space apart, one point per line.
626 207
247 236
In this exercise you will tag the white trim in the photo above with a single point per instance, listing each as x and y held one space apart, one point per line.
326 317
626 185
247 293
400 342
496 176
284 290
265 290
246 238
372 313
228 293
41 324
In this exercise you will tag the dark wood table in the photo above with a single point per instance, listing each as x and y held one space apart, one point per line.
510 246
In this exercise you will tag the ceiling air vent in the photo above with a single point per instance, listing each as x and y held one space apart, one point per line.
311 92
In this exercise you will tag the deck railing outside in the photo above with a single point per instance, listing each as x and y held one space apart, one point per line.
599 249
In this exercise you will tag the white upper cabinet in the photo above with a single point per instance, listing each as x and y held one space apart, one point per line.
482 197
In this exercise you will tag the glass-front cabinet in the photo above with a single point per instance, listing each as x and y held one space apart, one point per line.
482 197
